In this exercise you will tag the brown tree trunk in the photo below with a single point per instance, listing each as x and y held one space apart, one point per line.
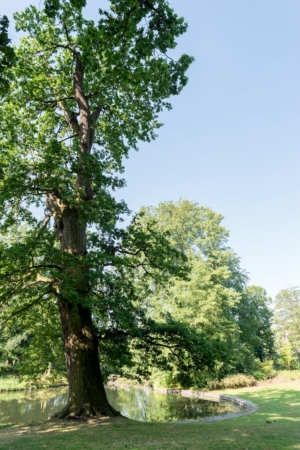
87 396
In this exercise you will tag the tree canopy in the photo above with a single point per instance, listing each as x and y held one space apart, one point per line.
166 291
7 55
230 321
286 325
82 94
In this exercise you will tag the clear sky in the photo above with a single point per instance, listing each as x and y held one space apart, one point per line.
232 140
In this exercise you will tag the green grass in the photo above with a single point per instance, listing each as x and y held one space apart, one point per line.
11 382
280 403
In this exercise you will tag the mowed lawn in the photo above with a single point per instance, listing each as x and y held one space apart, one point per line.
279 404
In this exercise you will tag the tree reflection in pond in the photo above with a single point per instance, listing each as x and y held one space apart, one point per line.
137 404
149 406
28 406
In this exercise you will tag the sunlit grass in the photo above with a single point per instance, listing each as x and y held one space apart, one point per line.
9 382
275 426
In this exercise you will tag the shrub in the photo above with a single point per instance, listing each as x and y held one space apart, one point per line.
263 370
159 378
288 358
232 382
288 375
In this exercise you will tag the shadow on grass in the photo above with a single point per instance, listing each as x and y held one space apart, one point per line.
275 426
282 403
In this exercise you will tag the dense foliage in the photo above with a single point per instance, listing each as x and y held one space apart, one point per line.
229 321
195 330
286 325
7 55
163 294
79 95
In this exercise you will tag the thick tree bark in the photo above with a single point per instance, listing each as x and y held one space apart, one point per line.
87 396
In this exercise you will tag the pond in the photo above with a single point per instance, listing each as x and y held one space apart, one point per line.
143 405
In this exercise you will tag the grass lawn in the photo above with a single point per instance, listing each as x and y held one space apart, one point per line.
278 402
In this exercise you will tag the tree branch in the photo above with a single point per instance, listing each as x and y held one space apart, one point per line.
69 137
41 279
96 113
44 225
15 313
70 118
67 47
47 266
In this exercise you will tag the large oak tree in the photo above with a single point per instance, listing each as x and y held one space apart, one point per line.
83 94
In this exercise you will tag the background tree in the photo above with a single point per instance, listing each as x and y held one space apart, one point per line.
288 359
286 321
12 346
7 55
254 319
30 344
231 320
83 94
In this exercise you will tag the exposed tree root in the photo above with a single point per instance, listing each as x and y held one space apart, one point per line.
85 411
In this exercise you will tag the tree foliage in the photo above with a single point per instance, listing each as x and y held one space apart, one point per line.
7 55
83 94
254 318
286 323
230 321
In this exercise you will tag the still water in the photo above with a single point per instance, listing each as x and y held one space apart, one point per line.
142 405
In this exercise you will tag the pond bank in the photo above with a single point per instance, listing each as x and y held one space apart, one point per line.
275 426
247 407
143 404
31 388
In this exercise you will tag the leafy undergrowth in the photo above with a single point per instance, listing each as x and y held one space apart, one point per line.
241 380
287 375
232 382
275 426
12 382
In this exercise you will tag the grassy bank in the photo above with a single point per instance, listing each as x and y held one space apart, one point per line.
279 404
9 382
12 382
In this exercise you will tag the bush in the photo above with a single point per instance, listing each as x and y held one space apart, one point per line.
263 370
232 382
287 375
162 379
200 379
288 358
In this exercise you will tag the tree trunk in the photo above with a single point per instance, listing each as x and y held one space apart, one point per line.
87 396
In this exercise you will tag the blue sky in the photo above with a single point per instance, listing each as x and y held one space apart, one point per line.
232 140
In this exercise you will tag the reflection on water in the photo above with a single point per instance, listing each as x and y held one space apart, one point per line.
27 406
142 405
150 406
